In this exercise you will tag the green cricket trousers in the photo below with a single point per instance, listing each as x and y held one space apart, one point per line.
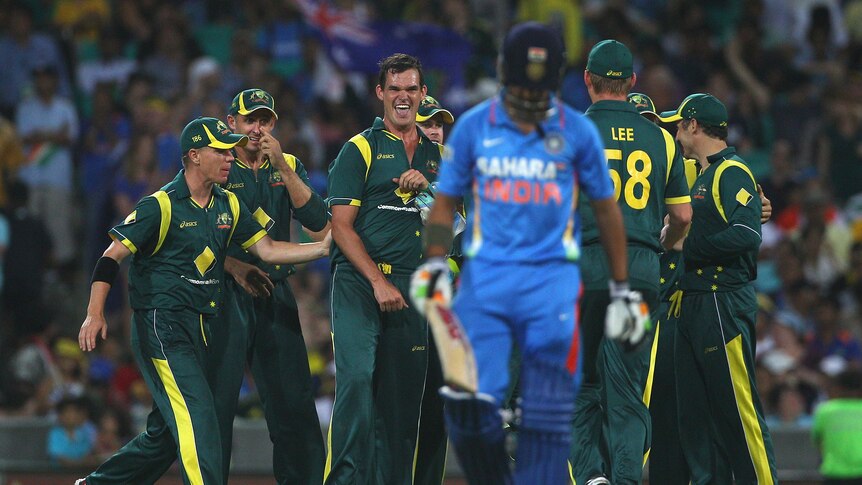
380 365
716 390
266 333
171 347
611 426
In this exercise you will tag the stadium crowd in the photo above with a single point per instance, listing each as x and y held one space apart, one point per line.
97 91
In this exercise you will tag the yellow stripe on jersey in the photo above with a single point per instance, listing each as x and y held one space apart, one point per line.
647 395
327 467
365 149
254 239
183 419
745 406
670 148
716 195
683 199
690 171
233 202
125 242
291 161
165 209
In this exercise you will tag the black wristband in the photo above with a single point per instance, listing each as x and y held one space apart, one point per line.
106 270
438 235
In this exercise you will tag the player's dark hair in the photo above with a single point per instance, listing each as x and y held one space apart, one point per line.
617 87
711 131
397 63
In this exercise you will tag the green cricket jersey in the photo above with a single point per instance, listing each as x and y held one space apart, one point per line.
648 173
265 196
179 247
721 248
388 222
671 262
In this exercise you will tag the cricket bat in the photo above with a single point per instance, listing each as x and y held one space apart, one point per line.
453 347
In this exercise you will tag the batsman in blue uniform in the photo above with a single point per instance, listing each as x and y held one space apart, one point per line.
521 157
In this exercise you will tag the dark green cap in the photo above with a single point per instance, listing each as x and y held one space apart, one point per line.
209 132
611 59
642 103
252 100
703 107
430 107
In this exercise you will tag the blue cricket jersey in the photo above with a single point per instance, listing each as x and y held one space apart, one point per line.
522 189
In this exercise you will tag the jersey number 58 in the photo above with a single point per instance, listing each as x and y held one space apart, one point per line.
637 176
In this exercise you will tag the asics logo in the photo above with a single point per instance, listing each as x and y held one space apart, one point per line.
491 142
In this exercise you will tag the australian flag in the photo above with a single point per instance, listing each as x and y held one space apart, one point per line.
358 46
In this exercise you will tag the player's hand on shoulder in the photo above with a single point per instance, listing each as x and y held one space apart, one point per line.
388 297
411 180
628 318
431 281
93 326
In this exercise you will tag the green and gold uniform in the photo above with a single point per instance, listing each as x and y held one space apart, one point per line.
380 357
667 463
611 425
175 289
266 333
714 348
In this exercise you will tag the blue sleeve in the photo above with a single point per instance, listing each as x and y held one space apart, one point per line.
456 172
56 443
590 162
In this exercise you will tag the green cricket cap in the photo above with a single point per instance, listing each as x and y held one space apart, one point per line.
209 132
611 59
430 107
703 107
251 100
642 103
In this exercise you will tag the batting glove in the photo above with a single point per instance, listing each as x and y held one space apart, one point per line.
431 281
424 201
627 320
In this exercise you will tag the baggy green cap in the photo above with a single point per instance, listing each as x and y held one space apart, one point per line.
209 132
430 107
703 107
611 59
251 100
642 103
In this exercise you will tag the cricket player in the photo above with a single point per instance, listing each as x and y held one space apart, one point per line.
433 441
265 330
522 156
667 462
380 342
720 414
177 238
611 428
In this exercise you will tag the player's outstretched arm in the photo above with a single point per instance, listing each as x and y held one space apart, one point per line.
283 252
104 275
431 278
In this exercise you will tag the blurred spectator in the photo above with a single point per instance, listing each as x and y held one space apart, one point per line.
71 441
112 432
799 302
12 159
81 20
4 245
839 155
22 50
837 430
72 370
27 260
830 340
110 70
48 126
789 407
